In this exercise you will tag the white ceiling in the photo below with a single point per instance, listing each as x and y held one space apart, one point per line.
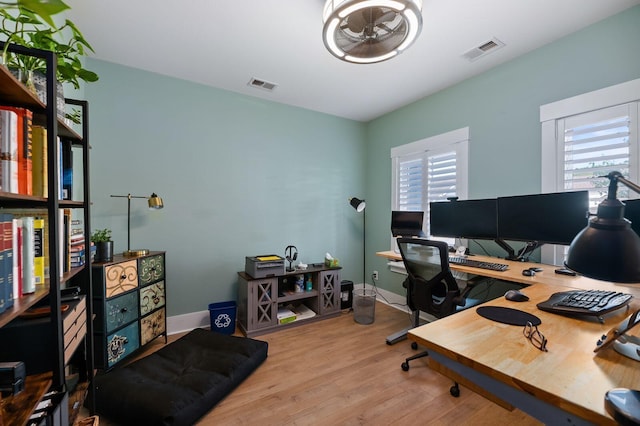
224 43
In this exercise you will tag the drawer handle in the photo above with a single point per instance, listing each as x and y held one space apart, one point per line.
123 310
123 277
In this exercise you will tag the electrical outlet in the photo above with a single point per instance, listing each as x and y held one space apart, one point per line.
375 275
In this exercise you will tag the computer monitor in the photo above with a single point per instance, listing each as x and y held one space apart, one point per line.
632 212
554 218
407 223
474 219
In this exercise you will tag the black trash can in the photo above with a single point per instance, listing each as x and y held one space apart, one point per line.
346 294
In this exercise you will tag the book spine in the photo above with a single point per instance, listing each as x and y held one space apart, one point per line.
7 231
38 248
24 142
40 180
67 170
17 257
3 272
28 278
9 150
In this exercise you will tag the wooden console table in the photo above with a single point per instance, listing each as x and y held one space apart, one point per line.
260 298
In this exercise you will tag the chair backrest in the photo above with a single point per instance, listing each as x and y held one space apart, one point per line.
432 287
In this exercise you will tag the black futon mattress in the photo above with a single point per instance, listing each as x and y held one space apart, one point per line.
179 383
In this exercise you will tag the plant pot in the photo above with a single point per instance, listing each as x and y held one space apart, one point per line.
104 251
36 83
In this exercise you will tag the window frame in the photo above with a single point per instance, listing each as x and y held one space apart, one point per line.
552 159
457 140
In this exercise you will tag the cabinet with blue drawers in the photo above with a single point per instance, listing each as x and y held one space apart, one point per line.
129 306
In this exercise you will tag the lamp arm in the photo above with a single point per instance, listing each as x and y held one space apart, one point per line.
626 183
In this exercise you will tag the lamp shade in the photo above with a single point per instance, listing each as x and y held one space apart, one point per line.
607 249
357 204
155 202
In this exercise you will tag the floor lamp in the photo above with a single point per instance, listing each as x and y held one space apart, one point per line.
363 307
360 205
155 203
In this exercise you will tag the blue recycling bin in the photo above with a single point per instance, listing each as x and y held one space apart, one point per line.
223 317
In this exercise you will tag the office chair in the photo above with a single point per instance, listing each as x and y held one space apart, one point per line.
431 287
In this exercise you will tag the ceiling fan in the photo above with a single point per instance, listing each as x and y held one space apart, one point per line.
367 31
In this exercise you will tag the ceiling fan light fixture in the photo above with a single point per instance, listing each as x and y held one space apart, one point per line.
368 31
368 4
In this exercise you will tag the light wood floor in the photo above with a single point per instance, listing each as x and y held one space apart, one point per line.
338 372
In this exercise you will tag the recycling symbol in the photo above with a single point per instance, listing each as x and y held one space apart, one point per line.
223 321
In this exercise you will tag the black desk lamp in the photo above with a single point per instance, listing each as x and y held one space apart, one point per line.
154 203
360 205
608 249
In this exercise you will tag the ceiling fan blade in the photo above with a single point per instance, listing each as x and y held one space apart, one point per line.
357 21
385 17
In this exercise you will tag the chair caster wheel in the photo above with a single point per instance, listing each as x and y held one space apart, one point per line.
414 345
405 366
454 391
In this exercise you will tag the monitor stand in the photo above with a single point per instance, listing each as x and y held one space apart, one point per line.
523 254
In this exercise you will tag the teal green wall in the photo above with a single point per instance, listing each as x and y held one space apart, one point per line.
239 177
242 176
501 109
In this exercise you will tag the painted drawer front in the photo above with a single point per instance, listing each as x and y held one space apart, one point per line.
151 297
122 343
121 310
152 326
120 278
151 269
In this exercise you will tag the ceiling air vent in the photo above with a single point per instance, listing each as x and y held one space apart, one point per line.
483 50
261 84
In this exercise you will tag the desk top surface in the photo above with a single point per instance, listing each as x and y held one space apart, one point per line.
570 375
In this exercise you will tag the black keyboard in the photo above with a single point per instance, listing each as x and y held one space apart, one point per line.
465 261
585 302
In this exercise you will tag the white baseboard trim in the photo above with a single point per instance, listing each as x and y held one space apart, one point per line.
187 322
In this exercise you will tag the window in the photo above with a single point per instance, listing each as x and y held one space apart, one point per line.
431 169
586 137
593 144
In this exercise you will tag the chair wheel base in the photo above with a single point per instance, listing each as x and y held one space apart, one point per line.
454 391
405 366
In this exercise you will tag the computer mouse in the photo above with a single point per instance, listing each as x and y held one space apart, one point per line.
536 269
516 296
529 272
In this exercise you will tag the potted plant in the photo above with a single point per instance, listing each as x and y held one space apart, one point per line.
29 23
101 238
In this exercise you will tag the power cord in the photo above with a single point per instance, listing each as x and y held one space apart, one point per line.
402 305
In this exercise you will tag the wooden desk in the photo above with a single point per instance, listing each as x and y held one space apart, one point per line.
497 361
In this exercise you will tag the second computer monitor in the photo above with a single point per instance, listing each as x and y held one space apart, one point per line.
474 219
407 223
554 218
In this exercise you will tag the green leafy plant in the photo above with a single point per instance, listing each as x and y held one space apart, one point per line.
101 235
75 116
29 23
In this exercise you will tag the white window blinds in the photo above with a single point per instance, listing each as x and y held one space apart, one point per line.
429 170
410 183
594 144
442 176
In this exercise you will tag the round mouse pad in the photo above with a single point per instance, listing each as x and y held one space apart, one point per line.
508 315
